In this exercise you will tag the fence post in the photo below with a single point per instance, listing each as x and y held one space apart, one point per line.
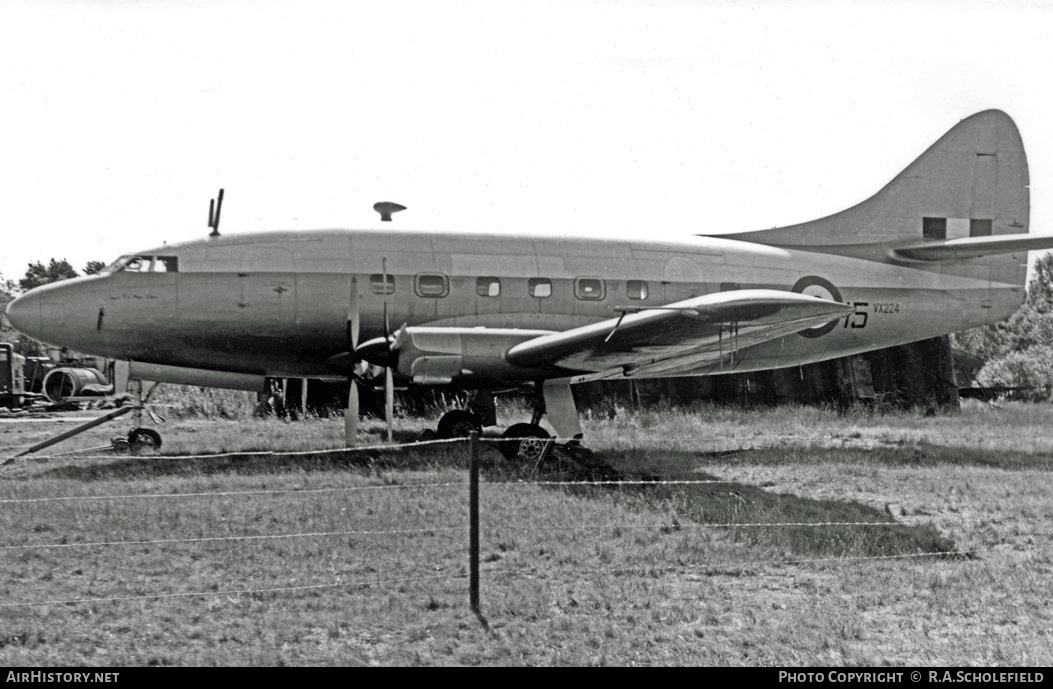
473 519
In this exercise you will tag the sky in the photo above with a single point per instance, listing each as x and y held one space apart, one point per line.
122 119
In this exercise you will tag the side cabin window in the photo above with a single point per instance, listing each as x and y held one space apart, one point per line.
432 285
591 289
488 287
382 284
165 264
636 289
540 287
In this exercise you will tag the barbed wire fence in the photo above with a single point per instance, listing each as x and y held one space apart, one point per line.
473 570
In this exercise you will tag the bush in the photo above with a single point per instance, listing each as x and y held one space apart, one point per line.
1031 369
184 401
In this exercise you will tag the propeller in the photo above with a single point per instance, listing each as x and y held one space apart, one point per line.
383 353
379 351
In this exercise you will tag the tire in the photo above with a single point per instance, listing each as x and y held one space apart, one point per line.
523 442
144 439
458 424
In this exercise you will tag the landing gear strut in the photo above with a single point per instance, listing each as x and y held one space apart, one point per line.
139 440
529 442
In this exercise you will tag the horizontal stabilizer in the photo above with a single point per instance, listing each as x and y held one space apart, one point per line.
969 247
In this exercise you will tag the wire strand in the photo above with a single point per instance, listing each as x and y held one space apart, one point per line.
274 453
206 539
235 592
232 492
380 582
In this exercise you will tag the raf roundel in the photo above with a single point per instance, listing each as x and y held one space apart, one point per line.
824 289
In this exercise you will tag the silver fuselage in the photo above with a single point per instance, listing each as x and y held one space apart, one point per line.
277 304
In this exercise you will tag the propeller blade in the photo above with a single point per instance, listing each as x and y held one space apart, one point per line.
400 339
351 415
384 268
352 315
389 399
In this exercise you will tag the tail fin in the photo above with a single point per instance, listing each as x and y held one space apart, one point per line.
973 182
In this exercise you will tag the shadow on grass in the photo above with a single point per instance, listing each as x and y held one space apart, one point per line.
252 463
707 503
915 454
788 519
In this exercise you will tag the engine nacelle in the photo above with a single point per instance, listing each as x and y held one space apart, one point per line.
436 356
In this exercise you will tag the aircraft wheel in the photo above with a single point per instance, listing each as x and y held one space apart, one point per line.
458 424
144 439
121 446
523 442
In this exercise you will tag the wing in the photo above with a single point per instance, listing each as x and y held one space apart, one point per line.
679 338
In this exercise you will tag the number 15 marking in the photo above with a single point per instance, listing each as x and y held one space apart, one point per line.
858 319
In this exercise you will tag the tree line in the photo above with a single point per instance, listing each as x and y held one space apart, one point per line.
1019 351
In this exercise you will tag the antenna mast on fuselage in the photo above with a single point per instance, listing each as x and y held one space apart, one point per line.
213 219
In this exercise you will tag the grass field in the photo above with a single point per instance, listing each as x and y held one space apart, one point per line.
361 557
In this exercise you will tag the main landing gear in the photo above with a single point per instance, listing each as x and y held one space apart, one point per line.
524 442
528 442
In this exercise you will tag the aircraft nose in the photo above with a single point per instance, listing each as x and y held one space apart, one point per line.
24 314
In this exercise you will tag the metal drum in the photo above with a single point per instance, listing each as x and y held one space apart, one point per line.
62 383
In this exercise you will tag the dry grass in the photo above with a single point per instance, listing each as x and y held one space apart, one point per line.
578 575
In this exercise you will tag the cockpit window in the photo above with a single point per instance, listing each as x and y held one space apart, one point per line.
115 266
144 264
